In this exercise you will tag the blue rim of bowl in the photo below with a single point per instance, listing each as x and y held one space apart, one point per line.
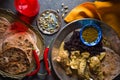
98 38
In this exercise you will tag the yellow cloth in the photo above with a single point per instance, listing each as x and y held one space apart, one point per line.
107 12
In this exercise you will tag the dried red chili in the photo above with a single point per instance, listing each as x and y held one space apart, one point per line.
46 51
46 60
37 64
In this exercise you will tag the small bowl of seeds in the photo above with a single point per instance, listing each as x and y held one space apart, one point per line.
49 22
90 34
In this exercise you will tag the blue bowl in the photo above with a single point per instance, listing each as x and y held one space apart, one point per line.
95 26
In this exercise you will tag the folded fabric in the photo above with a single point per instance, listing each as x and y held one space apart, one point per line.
108 12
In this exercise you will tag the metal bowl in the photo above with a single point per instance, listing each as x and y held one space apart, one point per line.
111 38
46 22
97 28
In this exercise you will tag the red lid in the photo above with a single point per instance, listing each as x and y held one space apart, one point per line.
27 7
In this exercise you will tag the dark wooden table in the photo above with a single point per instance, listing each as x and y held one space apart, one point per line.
44 4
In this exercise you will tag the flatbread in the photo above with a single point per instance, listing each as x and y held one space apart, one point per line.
111 64
14 61
21 40
4 24
16 49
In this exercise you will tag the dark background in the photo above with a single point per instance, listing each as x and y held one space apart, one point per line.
44 4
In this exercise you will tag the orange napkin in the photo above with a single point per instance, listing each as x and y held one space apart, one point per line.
108 12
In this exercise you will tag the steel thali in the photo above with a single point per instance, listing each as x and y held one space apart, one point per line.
111 37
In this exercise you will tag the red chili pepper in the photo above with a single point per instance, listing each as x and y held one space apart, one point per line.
46 51
37 64
46 60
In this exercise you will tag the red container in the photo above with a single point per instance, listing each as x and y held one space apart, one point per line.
28 8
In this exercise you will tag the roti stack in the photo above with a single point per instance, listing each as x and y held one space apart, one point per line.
16 57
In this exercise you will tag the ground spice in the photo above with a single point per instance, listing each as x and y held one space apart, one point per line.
90 34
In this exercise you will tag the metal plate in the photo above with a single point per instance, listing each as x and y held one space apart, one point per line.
11 17
109 34
46 22
40 41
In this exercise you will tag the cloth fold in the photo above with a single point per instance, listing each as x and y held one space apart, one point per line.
108 12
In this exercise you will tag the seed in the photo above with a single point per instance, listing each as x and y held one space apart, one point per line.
63 15
66 11
57 26
44 22
46 26
43 14
52 21
56 23
58 10
56 16
41 25
49 17
43 28
40 18
53 25
62 10
47 20
66 7
62 4
51 30
47 12
46 17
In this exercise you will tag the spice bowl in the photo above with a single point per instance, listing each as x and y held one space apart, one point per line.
49 22
90 34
